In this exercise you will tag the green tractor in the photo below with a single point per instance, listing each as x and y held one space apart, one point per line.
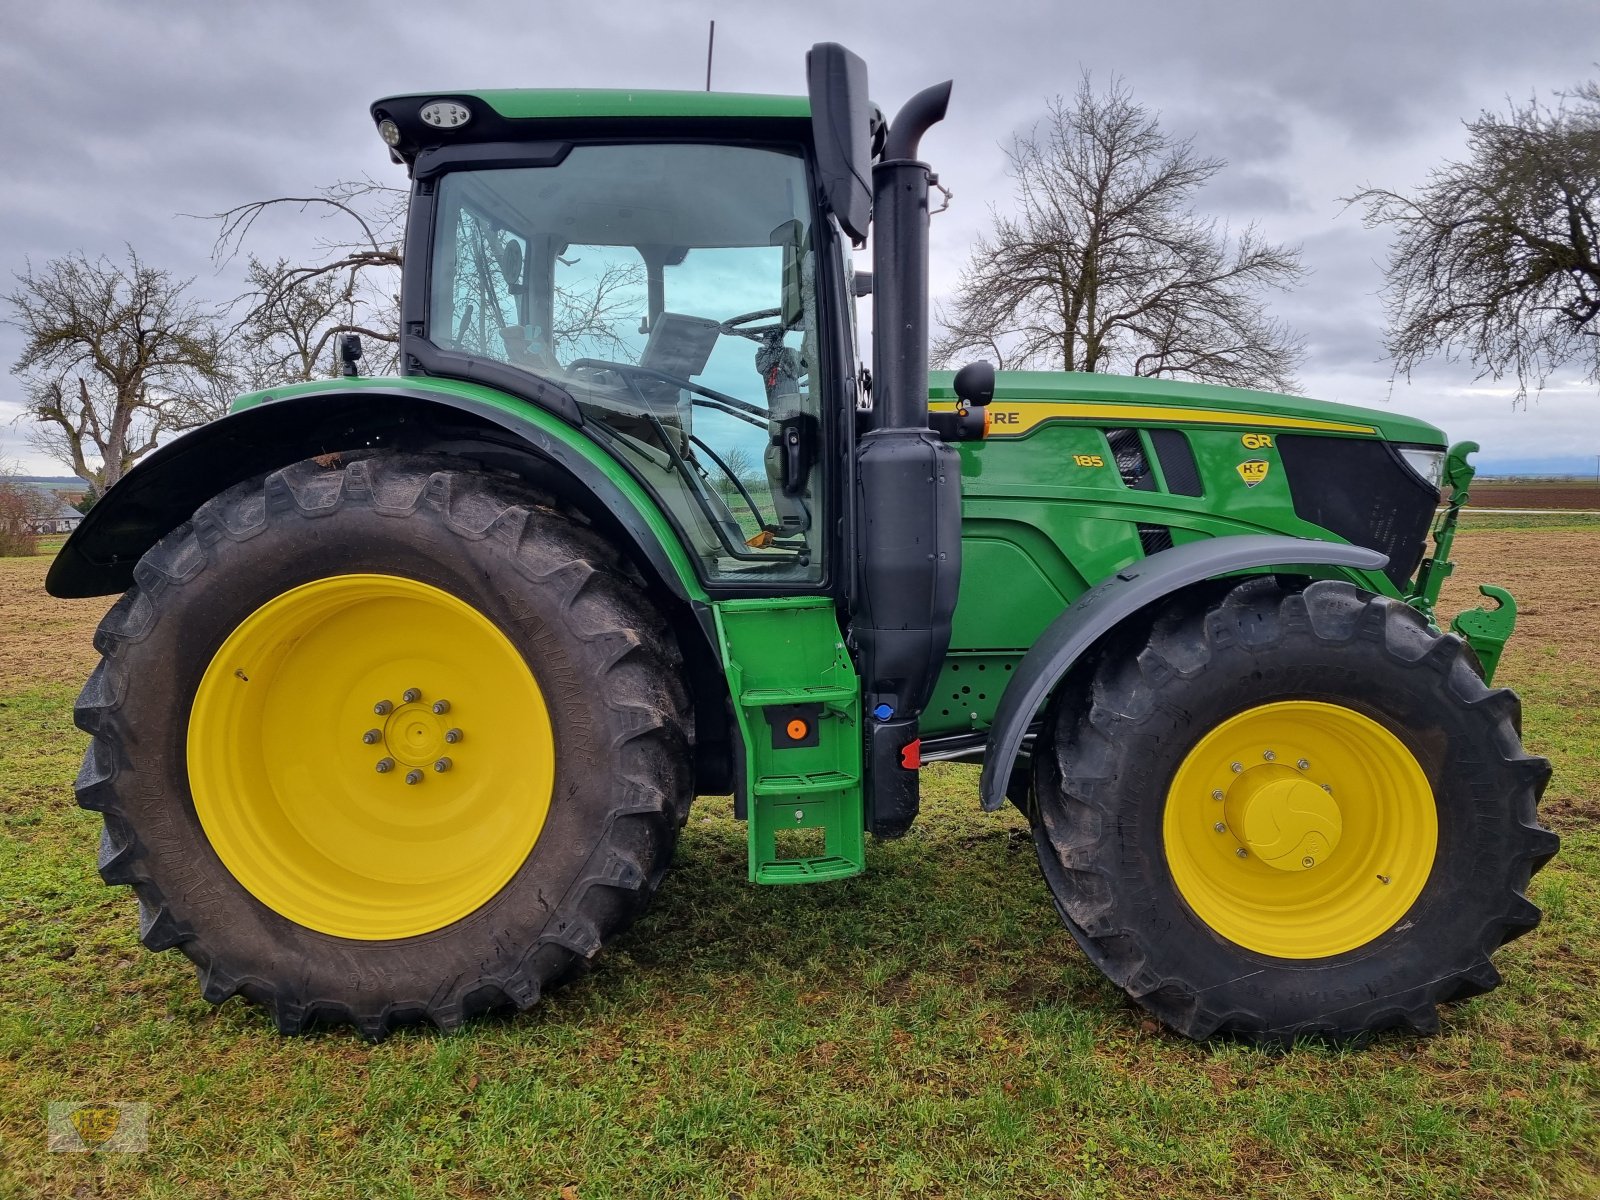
412 680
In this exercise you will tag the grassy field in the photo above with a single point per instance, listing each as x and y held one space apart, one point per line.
928 1029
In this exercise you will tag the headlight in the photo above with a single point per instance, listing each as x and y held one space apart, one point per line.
445 114
389 132
1427 463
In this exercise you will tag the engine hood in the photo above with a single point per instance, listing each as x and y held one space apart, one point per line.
1024 399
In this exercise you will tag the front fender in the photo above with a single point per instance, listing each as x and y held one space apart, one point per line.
1117 598
292 424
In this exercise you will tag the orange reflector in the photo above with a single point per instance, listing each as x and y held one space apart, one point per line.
798 729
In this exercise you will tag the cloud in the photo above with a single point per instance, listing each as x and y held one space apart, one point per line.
121 114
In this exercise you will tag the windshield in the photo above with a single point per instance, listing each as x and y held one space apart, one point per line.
670 288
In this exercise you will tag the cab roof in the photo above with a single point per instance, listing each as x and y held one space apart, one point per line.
523 115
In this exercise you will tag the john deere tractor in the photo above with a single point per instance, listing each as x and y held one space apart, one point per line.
412 680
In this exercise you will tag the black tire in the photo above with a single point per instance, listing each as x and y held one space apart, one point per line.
1113 742
606 661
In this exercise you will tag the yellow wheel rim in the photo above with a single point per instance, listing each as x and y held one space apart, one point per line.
370 756
1300 829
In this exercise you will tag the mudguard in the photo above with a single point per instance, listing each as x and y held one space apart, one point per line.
298 422
1115 599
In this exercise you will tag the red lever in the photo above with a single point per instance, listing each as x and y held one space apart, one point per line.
911 755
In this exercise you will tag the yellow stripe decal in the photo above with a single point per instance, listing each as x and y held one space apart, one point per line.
1009 419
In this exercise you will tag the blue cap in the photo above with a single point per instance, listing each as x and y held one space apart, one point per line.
883 712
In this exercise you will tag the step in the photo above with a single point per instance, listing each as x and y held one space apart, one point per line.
802 769
800 785
806 870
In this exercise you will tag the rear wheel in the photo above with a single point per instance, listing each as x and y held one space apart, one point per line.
1290 812
383 743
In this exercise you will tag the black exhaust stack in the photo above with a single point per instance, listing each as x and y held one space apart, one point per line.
908 485
908 480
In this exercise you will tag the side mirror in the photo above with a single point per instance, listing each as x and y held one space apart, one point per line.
974 384
974 388
349 354
841 127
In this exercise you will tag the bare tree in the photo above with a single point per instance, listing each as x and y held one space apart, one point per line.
347 282
116 356
1497 257
741 472
1105 267
17 537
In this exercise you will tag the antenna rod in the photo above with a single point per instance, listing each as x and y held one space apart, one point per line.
711 41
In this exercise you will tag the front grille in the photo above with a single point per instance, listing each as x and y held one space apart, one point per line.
1364 492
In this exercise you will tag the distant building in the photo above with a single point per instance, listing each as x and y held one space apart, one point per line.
47 511
54 515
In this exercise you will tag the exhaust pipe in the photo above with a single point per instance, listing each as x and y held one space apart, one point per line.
900 266
908 485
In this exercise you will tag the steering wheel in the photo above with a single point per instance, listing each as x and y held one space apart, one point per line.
739 326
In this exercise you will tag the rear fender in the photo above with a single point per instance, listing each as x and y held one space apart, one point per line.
1115 599
164 490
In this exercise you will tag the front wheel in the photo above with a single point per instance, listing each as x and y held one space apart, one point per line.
384 742
1291 812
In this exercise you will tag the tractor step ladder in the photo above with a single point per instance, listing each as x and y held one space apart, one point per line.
798 703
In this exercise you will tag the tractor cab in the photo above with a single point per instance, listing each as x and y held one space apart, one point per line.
673 288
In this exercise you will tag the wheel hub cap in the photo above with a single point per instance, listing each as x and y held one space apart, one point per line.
416 735
1284 820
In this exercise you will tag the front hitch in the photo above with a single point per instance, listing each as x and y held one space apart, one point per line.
1486 630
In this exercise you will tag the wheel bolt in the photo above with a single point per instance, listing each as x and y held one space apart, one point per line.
413 776
1237 767
1303 765
1220 827
371 736
452 736
382 708
443 764
1328 787
385 765
1217 795
1242 852
1269 756
1308 861
411 695
441 706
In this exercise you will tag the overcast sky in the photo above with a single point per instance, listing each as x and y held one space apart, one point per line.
119 115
